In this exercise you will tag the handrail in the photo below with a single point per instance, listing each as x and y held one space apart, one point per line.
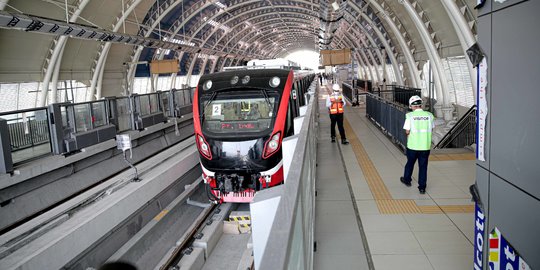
457 130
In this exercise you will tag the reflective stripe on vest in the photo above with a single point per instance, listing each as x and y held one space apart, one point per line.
336 106
420 134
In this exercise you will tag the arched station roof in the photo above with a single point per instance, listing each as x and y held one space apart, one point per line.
215 33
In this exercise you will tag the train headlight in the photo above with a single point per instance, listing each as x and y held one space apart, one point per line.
245 80
274 82
207 85
272 145
234 80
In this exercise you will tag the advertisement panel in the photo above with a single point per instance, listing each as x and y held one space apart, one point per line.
479 225
502 255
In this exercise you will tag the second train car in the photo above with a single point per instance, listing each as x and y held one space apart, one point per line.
240 119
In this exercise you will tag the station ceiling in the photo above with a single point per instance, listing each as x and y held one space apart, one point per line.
222 32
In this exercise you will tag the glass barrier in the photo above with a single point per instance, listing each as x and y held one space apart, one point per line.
99 114
183 100
164 96
148 104
144 105
179 98
83 121
83 117
28 133
123 114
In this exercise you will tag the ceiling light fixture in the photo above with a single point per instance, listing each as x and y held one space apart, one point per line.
335 6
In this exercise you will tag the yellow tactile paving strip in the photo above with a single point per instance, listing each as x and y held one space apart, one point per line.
445 157
385 203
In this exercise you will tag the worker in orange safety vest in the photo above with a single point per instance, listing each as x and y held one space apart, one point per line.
335 104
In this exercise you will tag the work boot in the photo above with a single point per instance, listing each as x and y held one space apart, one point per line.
404 182
344 141
333 139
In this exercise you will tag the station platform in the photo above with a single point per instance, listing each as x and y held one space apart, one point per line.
365 218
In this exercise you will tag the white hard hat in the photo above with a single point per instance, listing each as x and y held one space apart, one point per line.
415 100
336 87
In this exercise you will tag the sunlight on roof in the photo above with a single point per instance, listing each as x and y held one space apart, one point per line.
305 58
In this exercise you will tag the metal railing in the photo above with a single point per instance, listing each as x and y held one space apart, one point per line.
388 116
27 128
348 90
366 85
24 135
27 132
397 93
463 133
290 241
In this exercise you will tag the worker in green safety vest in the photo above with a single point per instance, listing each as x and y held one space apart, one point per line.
418 126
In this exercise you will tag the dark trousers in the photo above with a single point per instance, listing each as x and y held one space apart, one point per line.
423 157
337 118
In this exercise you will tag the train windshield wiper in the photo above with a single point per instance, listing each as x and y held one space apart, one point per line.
206 105
270 105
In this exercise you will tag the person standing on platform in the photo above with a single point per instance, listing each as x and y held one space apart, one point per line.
335 104
418 126
320 78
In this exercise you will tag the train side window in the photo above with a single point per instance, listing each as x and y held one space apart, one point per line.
289 123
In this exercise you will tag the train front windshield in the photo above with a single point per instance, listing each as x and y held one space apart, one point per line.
239 114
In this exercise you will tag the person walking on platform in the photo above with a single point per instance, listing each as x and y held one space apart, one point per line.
335 104
418 126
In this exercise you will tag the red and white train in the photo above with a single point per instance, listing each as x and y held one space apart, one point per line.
240 118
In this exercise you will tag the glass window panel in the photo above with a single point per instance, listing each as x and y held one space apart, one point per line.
64 116
83 119
242 114
144 108
99 116
179 98
27 95
9 93
165 101
154 107
124 118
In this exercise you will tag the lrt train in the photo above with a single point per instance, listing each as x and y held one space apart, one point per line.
240 119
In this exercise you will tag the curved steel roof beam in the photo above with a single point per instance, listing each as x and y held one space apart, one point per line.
280 40
56 58
251 29
465 35
243 14
441 84
405 49
374 47
238 16
99 67
266 34
154 21
363 56
363 43
244 9
385 42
